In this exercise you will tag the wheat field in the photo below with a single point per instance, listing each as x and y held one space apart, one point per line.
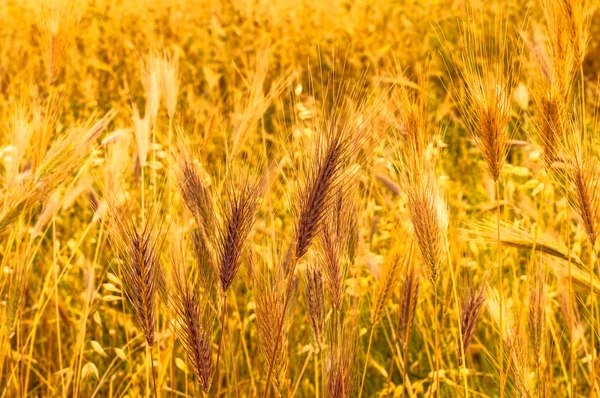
335 198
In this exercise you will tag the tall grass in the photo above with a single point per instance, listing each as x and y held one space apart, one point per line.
328 199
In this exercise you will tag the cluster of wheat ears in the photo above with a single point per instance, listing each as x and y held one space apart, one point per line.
360 225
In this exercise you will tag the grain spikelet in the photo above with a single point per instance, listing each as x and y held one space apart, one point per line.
58 20
151 78
341 358
568 23
21 127
269 311
257 103
338 137
335 247
488 92
141 128
239 212
582 173
414 113
410 299
196 192
169 81
315 303
398 255
537 313
194 318
472 302
427 210
139 247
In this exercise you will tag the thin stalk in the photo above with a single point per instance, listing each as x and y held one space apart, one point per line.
316 376
245 348
362 383
172 368
281 322
169 182
460 335
391 370
592 253
306 361
142 199
593 321
223 311
233 353
538 226
570 309
405 363
501 290
149 363
56 309
582 88
436 327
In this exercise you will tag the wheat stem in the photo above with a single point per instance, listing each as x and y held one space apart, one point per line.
593 321
460 331
316 376
288 295
570 308
436 327
151 365
56 307
217 366
364 373
501 290
306 361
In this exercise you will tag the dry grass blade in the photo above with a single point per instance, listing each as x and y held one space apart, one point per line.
62 160
519 238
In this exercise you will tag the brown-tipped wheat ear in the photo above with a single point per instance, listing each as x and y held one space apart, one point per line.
239 213
139 249
197 197
194 319
487 74
582 176
325 176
